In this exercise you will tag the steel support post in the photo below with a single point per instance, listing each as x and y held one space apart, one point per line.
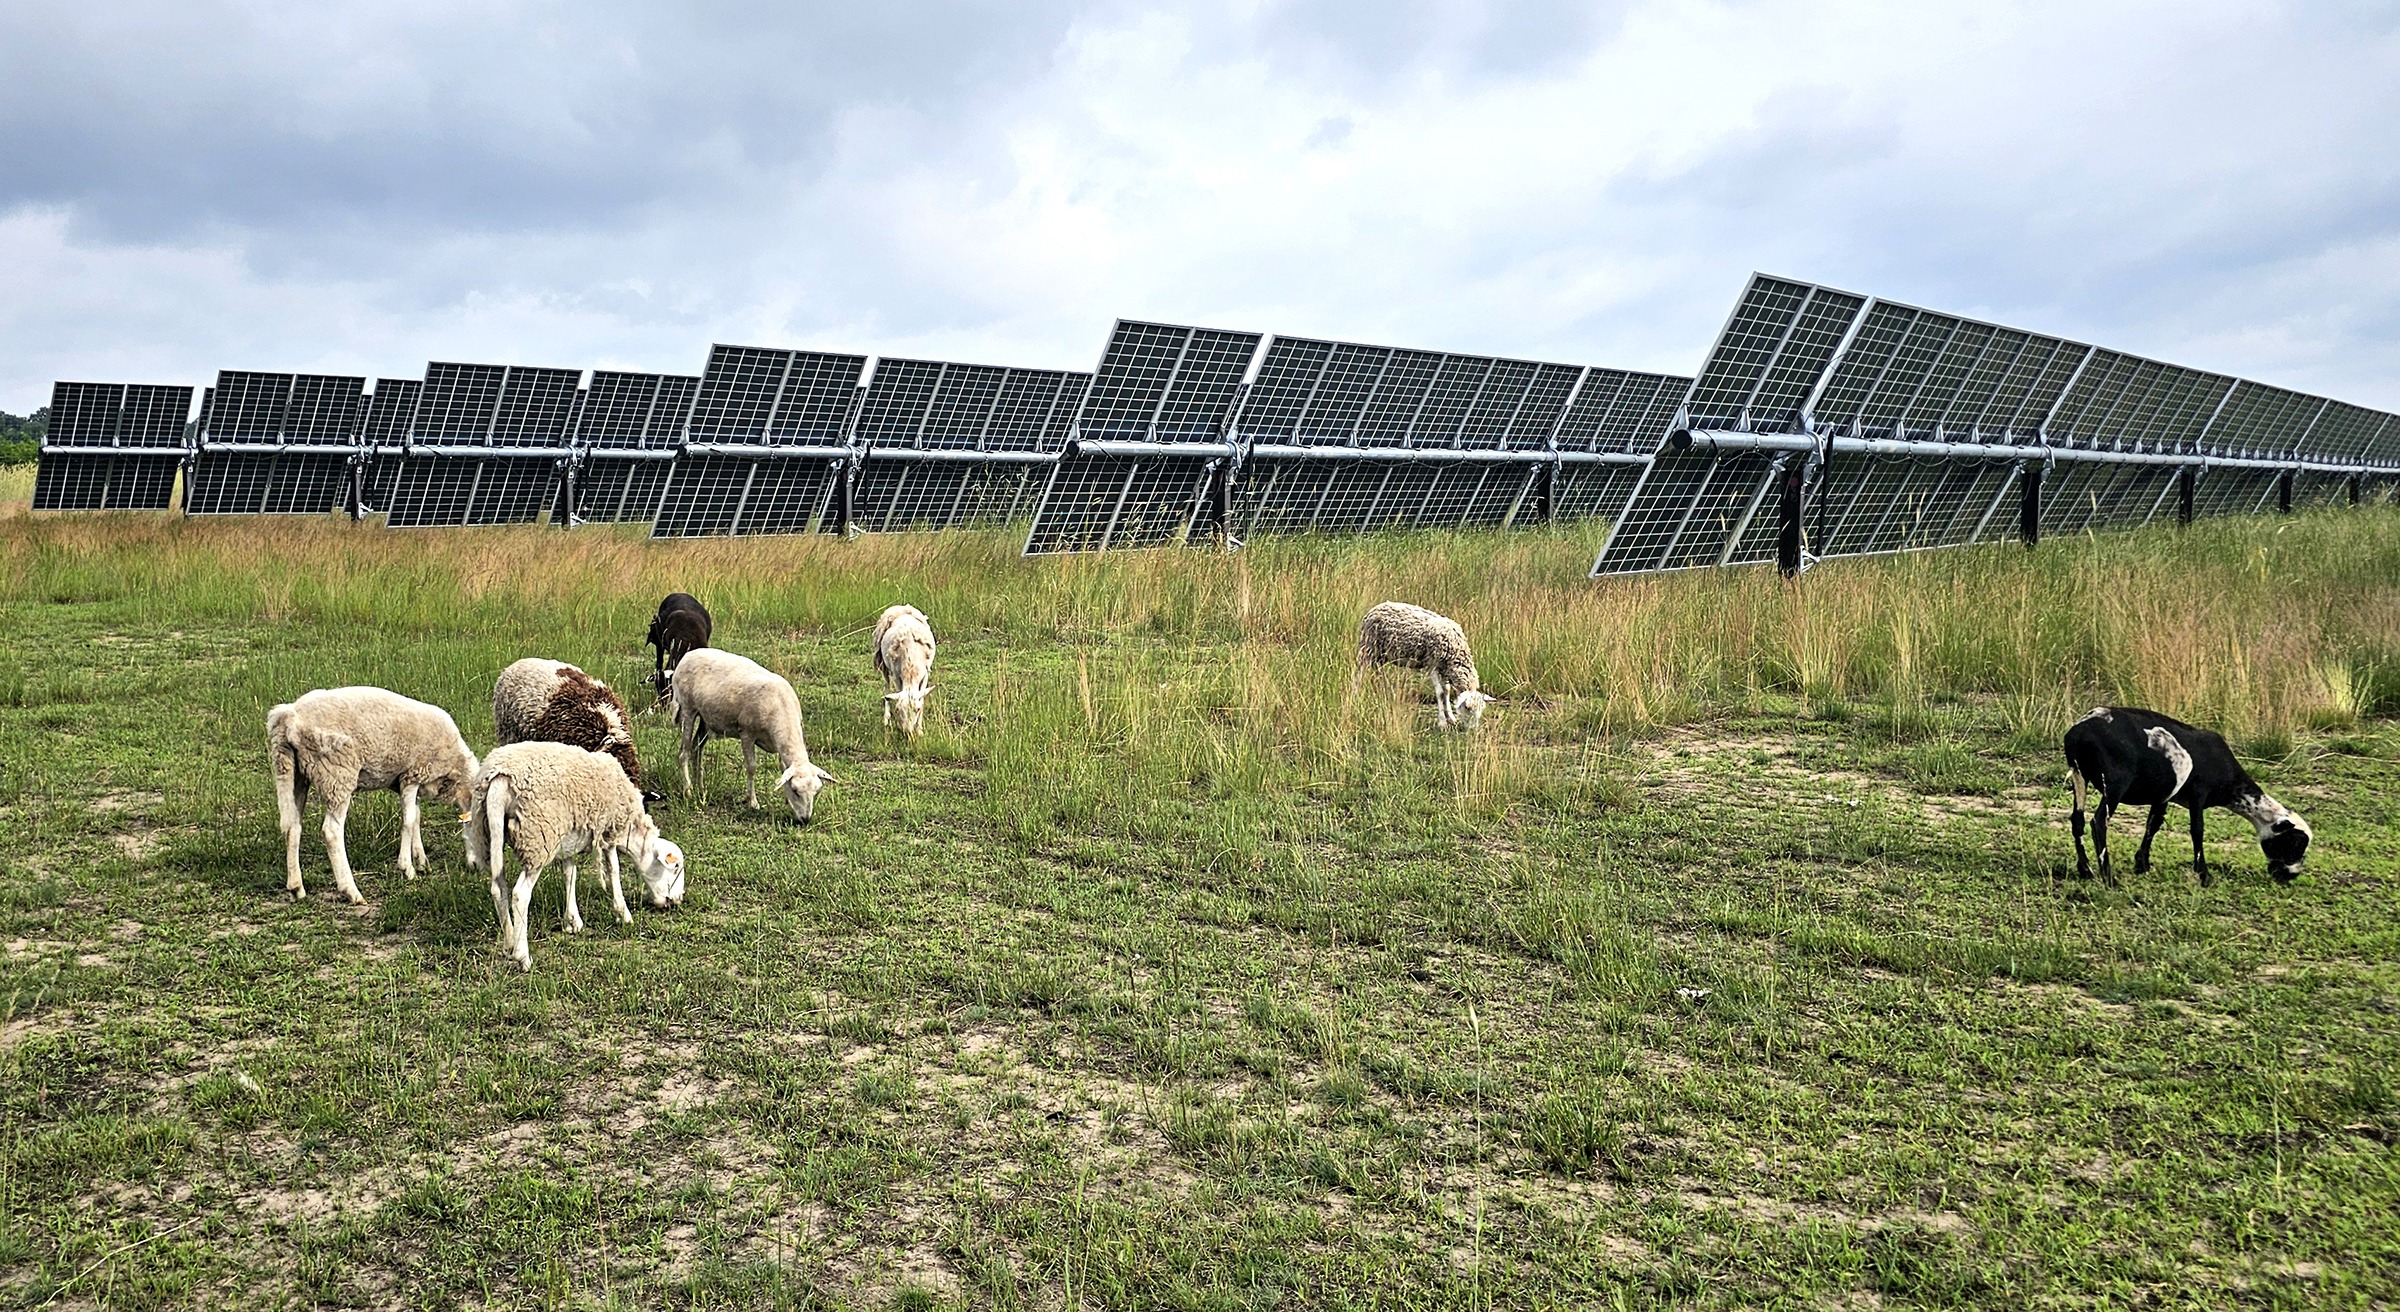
2283 492
844 496
1791 505
2187 489
2029 505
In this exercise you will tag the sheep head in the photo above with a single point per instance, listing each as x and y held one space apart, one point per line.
799 786
659 862
910 703
1468 706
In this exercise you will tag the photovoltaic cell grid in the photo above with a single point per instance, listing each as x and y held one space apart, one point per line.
716 495
624 425
1796 358
893 496
144 421
1165 383
1349 497
1099 503
757 396
1311 392
260 414
932 405
522 415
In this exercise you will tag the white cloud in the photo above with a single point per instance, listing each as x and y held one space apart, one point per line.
313 188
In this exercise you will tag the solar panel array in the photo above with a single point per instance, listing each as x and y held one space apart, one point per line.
1911 429
1822 423
112 446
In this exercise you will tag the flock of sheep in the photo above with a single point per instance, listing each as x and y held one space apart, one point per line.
564 781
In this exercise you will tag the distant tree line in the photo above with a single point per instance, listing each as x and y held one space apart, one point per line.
21 436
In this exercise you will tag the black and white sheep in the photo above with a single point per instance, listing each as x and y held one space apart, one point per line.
1412 637
721 695
904 656
340 740
537 700
2135 757
553 801
681 626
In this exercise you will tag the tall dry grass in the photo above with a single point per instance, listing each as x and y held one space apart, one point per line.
1148 684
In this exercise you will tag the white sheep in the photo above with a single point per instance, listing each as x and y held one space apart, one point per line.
721 695
554 801
1412 637
904 656
537 700
340 740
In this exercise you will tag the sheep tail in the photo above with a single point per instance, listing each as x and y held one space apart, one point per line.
487 826
291 787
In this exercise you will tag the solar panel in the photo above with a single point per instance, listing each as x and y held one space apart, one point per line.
112 446
1103 502
1310 392
275 444
628 427
485 445
1164 383
766 442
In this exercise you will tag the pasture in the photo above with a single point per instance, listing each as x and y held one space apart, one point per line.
1736 961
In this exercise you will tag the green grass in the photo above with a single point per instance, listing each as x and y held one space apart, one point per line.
1735 963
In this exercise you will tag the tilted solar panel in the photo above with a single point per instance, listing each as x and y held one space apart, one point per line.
794 408
112 446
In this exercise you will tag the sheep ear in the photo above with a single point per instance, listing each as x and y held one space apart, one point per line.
894 696
822 777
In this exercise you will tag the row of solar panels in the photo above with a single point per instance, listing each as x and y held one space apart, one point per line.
1897 427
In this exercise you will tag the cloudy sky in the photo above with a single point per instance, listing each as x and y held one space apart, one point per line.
358 188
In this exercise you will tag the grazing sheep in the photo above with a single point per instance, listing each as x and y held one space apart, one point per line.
340 740
553 801
2142 758
904 655
681 625
1412 637
721 695
553 702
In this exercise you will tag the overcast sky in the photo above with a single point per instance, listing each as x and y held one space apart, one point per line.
357 188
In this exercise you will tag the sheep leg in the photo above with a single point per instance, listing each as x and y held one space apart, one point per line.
291 795
412 843
693 738
522 912
2083 863
2141 855
337 816
750 769
508 933
2108 806
887 703
616 890
574 912
2200 848
1441 702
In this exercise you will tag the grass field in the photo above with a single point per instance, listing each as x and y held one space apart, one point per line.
1736 962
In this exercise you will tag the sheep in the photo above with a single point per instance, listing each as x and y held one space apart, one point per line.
340 740
721 695
2138 757
553 801
1412 637
537 700
681 625
904 655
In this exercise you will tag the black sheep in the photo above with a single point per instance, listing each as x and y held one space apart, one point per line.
2141 758
681 625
